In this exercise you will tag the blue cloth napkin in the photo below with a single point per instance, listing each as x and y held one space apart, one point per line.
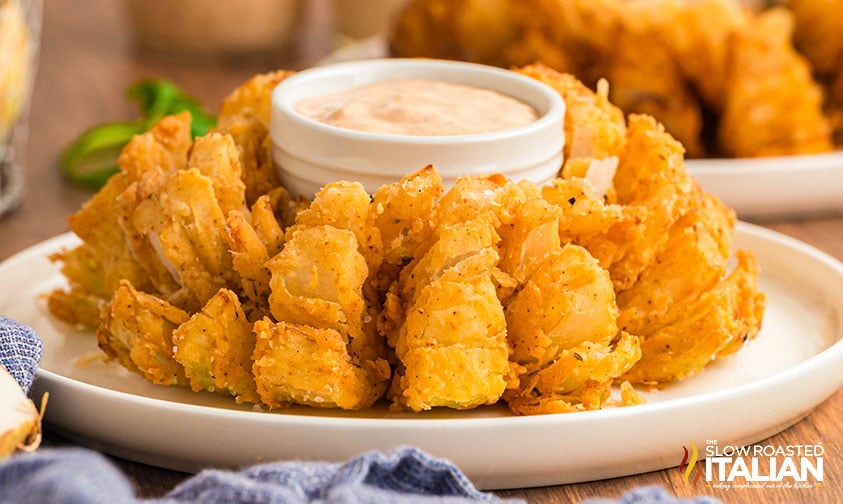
75 475
20 351
407 475
79 476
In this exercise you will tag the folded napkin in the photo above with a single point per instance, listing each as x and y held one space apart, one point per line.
407 475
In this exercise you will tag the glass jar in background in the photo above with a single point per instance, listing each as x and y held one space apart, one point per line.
212 28
20 33
358 19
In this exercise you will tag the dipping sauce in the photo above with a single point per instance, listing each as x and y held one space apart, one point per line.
418 107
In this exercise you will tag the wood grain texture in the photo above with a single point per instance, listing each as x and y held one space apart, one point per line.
87 63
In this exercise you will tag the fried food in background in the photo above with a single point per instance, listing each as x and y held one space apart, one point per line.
714 72
817 35
456 23
545 298
772 107
631 70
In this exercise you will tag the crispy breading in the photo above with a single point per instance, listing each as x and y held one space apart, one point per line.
471 197
818 37
253 98
245 114
137 330
817 33
701 35
249 255
444 306
80 303
400 214
164 147
96 224
594 127
233 348
345 205
181 223
751 302
159 272
254 146
317 280
215 347
107 223
215 156
606 230
272 214
302 364
651 176
95 268
581 378
456 377
718 322
454 242
452 343
568 301
252 241
318 300
562 320
529 238
571 36
180 192
692 261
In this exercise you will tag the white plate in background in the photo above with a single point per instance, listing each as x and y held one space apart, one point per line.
774 187
795 363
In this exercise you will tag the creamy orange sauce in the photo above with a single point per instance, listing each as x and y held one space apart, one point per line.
418 107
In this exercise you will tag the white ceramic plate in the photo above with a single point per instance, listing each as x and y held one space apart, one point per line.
795 363
759 189
774 187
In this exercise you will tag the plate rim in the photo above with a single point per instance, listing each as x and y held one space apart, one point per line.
820 161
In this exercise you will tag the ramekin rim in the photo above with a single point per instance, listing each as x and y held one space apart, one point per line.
554 114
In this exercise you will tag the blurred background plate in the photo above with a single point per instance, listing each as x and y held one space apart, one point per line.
774 187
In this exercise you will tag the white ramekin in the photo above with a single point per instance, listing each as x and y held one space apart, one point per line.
309 154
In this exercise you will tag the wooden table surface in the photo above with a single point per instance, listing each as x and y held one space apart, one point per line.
88 61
